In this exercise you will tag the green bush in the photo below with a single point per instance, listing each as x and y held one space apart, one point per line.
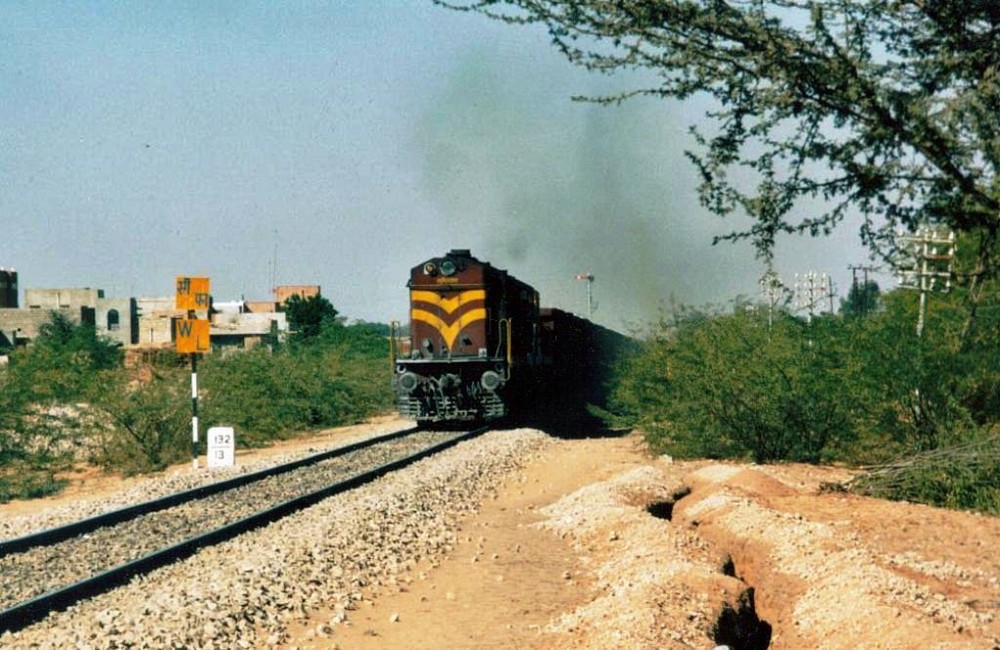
853 389
141 427
42 391
931 391
26 481
338 376
29 450
716 385
60 364
69 394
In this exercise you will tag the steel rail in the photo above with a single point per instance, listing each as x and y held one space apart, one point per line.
67 531
35 609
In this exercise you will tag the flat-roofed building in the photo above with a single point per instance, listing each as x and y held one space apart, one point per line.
114 318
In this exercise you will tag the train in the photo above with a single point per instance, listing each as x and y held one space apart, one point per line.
482 348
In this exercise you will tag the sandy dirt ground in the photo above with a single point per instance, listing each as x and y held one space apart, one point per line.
598 544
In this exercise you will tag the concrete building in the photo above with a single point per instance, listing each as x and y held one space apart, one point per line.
144 324
18 327
261 306
156 321
234 325
114 318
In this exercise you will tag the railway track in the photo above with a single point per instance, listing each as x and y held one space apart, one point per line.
52 569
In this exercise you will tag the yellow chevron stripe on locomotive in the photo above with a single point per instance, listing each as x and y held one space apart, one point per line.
449 305
449 330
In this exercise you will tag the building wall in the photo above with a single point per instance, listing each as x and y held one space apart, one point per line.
61 298
114 318
262 306
18 326
146 322
284 292
246 330
117 319
155 321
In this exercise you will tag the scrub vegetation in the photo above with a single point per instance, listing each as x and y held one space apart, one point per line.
69 397
859 388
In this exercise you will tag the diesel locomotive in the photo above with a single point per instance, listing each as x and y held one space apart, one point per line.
481 348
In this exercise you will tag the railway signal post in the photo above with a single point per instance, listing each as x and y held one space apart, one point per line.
589 278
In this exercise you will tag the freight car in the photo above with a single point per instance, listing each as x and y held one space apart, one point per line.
480 347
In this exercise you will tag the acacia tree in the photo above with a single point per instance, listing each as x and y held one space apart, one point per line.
884 107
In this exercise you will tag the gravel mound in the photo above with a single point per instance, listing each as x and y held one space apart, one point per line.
844 588
662 585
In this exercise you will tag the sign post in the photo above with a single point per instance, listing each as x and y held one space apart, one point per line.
221 447
191 336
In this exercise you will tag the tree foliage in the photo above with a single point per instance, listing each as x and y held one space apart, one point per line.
141 426
887 108
41 391
60 363
308 316
68 397
341 375
862 299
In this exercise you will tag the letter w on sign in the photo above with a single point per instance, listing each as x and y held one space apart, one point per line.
191 335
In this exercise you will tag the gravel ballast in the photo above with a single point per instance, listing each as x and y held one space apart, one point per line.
176 480
245 592
39 570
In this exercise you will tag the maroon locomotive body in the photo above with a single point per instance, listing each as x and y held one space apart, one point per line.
481 348
473 341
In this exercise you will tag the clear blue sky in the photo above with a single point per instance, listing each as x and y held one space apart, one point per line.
340 144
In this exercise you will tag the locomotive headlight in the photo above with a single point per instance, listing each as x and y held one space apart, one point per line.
491 380
408 381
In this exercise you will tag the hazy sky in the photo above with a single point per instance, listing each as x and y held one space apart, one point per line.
340 144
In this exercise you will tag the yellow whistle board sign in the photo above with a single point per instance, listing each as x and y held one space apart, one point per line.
193 293
191 335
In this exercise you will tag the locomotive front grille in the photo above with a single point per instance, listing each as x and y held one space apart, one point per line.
439 408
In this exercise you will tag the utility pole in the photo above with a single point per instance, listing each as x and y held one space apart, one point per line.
864 292
772 291
810 290
589 278
925 264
